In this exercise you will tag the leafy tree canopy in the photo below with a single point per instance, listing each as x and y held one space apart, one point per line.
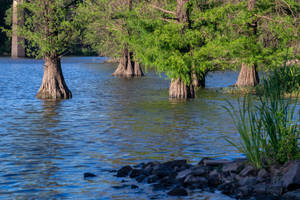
50 26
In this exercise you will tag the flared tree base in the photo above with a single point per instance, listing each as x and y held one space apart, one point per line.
128 68
53 84
248 76
179 90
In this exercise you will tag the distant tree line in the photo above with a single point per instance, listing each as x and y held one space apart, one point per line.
185 39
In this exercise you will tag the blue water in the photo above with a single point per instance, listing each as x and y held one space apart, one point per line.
46 146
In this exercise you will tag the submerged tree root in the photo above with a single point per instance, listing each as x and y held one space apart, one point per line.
127 67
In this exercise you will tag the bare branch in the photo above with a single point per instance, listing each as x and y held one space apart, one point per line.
171 18
289 8
268 18
168 20
163 10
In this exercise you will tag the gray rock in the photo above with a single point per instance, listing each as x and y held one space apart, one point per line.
227 188
199 171
135 173
178 191
235 167
215 163
244 191
203 160
124 171
167 182
263 173
291 179
152 179
191 179
183 167
140 178
162 171
214 178
275 189
151 164
248 170
260 189
295 195
274 170
248 180
158 186
183 174
88 175
238 178
140 165
148 170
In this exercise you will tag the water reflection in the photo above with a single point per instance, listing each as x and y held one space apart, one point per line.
46 146
38 151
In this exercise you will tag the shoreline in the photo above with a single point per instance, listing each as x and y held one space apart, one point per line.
235 178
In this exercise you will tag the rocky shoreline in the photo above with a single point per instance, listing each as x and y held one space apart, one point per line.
235 178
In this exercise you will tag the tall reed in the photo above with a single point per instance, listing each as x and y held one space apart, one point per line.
268 129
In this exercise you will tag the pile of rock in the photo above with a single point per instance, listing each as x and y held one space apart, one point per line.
235 178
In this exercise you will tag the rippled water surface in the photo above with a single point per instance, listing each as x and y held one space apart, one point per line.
46 146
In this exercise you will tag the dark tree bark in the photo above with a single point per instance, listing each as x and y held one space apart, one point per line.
53 83
127 67
248 75
179 89
17 42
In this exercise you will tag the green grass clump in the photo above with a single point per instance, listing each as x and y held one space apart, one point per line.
268 129
287 78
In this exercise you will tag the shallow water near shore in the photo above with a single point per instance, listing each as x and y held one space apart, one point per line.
46 146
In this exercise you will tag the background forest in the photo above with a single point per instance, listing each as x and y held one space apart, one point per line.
185 39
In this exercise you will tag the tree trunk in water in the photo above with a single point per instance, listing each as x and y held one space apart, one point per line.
198 82
17 49
179 90
53 84
127 67
248 76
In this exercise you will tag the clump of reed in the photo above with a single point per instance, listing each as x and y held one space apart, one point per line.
268 125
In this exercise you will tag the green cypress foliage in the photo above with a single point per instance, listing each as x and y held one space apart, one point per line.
50 26
221 35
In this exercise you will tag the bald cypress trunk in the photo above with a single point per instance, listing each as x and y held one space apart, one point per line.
127 66
53 83
248 75
17 42
199 80
179 89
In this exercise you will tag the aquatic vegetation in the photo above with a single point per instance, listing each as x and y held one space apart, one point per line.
287 79
268 128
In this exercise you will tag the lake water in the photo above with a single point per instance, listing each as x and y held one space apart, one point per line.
46 146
